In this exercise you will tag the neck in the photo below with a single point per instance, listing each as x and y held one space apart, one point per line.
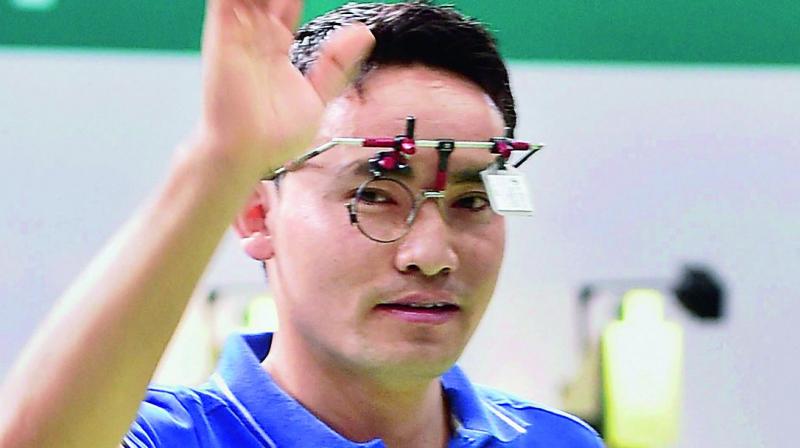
362 406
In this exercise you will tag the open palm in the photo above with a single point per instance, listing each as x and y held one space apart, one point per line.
258 108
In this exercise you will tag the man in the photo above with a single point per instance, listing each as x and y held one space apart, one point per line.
372 316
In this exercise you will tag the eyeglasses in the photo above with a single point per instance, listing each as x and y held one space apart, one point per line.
384 208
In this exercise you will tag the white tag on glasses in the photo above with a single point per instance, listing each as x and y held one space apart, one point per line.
508 191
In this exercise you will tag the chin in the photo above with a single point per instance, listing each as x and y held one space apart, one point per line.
414 361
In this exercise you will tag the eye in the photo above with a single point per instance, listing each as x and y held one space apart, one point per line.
375 196
473 202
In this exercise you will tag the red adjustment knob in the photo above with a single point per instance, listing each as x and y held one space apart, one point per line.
503 148
388 163
521 146
408 146
378 142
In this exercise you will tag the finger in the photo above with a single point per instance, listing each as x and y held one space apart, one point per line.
286 11
223 10
227 17
339 60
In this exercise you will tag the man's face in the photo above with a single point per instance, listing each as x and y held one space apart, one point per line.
351 301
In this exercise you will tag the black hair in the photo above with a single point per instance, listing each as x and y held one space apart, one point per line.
417 32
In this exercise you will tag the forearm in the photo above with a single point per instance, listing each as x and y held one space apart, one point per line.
82 377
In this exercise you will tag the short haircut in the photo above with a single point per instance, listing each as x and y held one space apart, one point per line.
417 32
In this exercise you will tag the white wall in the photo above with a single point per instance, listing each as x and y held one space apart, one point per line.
647 167
650 167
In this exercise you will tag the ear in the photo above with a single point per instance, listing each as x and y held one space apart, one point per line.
251 226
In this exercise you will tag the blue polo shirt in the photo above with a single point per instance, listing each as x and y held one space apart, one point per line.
242 407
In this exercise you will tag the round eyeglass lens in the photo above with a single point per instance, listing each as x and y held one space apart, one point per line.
383 209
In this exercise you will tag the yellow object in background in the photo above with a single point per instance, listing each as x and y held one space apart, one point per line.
208 321
642 364
261 314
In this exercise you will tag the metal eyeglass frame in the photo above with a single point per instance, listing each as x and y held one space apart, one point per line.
400 150
416 204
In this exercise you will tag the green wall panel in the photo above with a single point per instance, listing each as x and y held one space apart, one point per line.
681 31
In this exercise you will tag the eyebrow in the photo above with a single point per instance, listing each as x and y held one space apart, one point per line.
467 175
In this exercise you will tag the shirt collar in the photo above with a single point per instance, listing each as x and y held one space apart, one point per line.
478 418
270 408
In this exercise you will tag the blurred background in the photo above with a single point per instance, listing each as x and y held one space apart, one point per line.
673 132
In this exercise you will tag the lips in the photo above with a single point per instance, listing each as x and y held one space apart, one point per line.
421 308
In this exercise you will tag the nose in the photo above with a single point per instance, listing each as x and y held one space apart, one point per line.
428 246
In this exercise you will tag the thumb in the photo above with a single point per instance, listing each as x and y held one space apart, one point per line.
340 57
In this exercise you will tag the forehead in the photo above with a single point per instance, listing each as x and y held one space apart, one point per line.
444 105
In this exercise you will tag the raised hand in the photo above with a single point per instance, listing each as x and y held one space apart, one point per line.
259 110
